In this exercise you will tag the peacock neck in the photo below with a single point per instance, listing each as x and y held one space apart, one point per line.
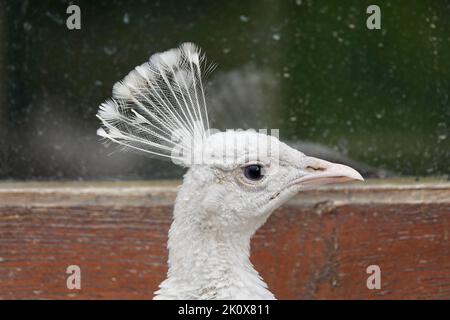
206 262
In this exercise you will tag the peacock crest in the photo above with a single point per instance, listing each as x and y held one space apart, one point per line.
159 108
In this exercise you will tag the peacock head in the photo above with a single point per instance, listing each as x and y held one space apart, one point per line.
243 176
234 176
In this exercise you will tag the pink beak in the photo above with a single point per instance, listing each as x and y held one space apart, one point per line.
323 172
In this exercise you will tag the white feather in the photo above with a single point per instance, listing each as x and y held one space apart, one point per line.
157 99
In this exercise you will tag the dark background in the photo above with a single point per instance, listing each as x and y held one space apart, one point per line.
310 68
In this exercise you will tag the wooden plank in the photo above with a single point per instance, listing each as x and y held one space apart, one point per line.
316 247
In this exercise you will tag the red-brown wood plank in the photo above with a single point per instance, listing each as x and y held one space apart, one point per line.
303 253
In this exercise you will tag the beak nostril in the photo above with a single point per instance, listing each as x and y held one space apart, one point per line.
312 168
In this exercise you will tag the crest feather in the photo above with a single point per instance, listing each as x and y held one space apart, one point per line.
159 107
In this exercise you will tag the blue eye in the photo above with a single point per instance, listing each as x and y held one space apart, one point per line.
253 172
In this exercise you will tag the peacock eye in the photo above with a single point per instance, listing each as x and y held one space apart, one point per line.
253 172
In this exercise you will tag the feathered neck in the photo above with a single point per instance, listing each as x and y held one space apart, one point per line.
206 262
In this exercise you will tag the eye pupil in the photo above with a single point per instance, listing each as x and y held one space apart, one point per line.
253 172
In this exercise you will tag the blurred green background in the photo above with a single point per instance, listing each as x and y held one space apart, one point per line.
310 68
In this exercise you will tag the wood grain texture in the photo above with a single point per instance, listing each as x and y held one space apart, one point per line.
309 249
